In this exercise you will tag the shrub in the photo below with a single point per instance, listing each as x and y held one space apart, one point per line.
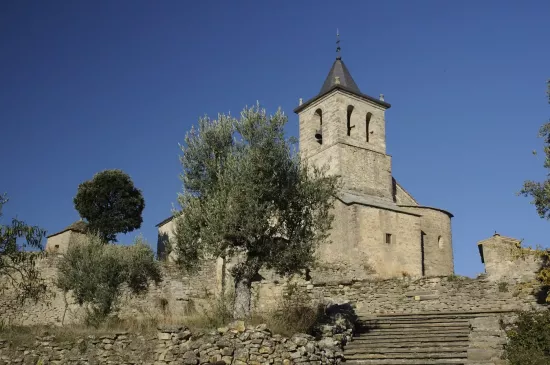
215 316
529 339
542 255
295 313
95 273
18 271
503 287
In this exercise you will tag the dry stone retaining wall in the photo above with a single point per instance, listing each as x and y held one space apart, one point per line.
235 344
178 294
409 295
175 296
120 348
487 339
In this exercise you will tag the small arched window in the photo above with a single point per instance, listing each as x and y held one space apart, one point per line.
440 242
350 111
367 126
318 116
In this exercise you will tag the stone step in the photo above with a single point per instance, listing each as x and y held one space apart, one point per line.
428 338
413 325
414 329
419 334
425 315
406 344
404 340
409 350
413 320
412 334
407 362
415 356
434 341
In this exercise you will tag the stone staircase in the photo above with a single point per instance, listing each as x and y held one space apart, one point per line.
411 339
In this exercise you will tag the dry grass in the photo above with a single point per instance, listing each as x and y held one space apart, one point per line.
300 319
217 315
26 335
295 313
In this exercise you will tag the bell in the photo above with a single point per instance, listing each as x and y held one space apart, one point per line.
319 135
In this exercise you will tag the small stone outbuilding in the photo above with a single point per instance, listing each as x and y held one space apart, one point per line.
505 259
59 242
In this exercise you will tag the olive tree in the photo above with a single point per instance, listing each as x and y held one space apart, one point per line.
110 203
247 196
95 273
540 191
20 246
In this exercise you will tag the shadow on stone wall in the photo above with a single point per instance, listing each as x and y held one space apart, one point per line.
163 246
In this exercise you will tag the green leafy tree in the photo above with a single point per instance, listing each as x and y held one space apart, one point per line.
540 191
529 339
249 198
110 203
95 273
18 264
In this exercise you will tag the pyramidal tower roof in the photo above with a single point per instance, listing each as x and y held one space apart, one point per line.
340 78
339 72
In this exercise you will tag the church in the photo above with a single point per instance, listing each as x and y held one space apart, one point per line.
379 229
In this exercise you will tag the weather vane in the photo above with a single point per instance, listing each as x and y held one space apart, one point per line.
338 49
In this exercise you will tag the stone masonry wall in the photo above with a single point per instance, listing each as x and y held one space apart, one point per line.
504 260
408 295
119 348
487 339
235 344
358 248
334 107
437 239
60 242
176 295
365 165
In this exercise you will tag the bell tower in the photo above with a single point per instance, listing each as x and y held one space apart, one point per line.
345 129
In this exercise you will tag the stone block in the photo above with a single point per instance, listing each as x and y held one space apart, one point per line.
237 326
163 336
418 293
479 355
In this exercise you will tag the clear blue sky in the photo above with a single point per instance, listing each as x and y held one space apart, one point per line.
93 85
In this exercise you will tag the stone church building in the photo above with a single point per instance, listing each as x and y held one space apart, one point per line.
379 229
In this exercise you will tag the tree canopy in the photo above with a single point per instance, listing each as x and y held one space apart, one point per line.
250 198
110 203
540 191
17 263
529 339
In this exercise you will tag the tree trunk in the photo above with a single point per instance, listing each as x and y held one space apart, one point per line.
241 309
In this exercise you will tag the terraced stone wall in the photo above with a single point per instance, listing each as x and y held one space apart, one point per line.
408 295
175 296
236 344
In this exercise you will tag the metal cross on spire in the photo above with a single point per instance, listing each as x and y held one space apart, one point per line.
338 49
